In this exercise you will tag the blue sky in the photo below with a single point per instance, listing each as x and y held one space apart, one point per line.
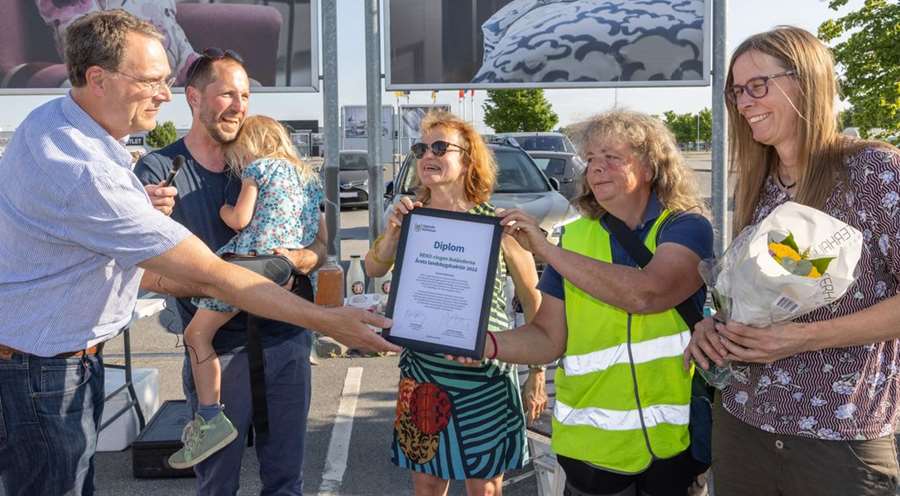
744 19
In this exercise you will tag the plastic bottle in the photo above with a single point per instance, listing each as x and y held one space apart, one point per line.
356 278
330 288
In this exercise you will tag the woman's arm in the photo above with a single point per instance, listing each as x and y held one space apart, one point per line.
878 323
238 216
380 258
521 267
670 278
538 342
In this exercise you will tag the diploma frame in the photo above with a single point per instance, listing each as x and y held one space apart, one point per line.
487 281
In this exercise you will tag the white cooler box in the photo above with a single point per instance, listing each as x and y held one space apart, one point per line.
119 434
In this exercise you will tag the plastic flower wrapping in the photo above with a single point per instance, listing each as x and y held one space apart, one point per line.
794 261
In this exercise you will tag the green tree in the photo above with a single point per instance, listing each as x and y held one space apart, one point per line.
162 135
518 110
685 126
865 45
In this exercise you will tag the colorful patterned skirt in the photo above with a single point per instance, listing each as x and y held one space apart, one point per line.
458 422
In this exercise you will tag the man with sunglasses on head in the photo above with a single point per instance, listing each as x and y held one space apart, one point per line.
78 232
217 90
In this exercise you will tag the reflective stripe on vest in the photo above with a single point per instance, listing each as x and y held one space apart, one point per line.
622 420
622 394
642 352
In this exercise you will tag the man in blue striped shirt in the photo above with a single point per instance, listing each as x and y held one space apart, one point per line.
77 230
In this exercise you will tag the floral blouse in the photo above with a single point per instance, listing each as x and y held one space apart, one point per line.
839 393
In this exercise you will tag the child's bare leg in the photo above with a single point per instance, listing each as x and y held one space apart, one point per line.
198 337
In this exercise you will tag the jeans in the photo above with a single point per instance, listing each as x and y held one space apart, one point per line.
280 453
50 411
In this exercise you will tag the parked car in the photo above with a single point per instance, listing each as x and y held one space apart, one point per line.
565 167
520 184
353 177
551 142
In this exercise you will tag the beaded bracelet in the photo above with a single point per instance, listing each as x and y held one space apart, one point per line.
374 253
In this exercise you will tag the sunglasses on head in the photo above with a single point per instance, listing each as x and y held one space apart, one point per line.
208 56
438 148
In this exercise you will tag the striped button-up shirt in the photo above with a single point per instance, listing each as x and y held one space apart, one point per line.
74 224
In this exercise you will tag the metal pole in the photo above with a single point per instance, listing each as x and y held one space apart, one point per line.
373 116
330 116
719 172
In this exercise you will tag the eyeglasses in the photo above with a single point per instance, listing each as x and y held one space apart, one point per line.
207 57
155 86
438 148
757 87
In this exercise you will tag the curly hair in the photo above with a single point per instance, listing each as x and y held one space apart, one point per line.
655 146
481 168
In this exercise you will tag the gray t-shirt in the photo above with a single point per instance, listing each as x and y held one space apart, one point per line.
201 193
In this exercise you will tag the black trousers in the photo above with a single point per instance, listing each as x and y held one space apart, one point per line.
669 477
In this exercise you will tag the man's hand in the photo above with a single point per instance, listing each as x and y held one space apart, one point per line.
706 345
534 396
162 197
348 325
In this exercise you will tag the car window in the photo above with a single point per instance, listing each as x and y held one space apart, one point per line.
353 161
516 173
551 166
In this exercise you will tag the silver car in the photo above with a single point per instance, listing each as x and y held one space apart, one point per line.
545 141
520 184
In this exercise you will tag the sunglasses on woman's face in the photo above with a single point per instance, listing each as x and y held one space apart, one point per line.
438 148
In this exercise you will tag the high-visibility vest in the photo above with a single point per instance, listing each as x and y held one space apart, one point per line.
622 394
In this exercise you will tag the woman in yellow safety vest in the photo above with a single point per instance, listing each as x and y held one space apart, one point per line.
620 423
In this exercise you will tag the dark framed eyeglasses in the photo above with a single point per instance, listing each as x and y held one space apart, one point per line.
438 148
757 87
208 56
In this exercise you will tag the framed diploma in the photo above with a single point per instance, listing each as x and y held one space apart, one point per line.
443 282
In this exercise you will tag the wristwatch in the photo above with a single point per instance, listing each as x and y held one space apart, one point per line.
537 367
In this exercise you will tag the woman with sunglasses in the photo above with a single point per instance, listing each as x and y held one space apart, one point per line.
453 421
814 410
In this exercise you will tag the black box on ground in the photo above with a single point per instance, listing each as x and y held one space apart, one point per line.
162 437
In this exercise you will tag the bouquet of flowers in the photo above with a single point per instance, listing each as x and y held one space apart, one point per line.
796 260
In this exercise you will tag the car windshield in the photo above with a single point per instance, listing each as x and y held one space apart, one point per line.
353 162
516 173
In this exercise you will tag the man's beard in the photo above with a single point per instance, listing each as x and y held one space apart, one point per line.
211 124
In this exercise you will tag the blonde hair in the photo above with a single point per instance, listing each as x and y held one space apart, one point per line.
821 147
652 142
264 137
481 171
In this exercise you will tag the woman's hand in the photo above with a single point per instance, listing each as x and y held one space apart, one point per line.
706 345
765 344
401 208
534 396
524 228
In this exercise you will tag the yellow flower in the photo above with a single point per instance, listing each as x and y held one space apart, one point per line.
780 251
814 273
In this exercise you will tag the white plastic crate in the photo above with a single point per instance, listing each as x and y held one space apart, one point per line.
119 434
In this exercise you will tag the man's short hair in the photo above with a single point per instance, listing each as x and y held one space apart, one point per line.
99 38
202 71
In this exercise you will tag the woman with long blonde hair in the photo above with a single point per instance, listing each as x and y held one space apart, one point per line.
456 422
814 408
623 399
277 208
